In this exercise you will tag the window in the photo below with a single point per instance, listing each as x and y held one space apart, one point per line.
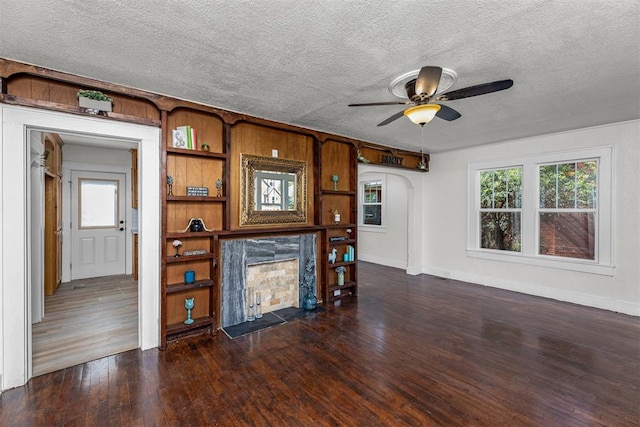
98 203
567 211
551 209
500 210
372 202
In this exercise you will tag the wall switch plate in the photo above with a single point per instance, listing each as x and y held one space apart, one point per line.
274 153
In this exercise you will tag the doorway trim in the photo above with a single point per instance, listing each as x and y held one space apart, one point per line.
414 183
15 326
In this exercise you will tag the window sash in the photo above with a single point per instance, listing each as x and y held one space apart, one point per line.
372 202
567 234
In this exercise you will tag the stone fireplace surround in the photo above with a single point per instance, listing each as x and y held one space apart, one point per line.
237 254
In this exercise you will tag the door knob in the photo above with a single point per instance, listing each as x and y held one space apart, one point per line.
121 228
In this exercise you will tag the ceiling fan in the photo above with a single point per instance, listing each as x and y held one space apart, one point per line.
421 91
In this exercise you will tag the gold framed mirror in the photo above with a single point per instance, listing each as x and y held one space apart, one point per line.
274 190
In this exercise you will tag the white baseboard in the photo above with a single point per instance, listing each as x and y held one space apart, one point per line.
625 307
382 261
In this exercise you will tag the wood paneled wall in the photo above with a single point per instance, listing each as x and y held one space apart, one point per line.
249 138
33 87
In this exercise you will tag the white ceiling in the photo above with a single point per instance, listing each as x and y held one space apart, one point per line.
575 63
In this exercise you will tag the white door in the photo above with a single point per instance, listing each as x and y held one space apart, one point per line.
98 228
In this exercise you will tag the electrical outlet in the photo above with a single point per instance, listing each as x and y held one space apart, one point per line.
274 153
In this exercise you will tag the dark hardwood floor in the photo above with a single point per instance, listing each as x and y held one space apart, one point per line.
411 350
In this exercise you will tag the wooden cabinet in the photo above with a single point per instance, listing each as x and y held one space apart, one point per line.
184 249
338 196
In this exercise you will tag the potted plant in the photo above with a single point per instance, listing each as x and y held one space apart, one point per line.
94 101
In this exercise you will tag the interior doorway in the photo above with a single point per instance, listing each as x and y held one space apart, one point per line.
92 312
15 283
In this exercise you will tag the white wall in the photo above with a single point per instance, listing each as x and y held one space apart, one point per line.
445 219
98 155
397 243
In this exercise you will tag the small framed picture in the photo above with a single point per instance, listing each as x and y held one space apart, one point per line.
179 139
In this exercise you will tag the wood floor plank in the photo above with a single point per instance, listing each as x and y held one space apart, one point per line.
410 350
86 320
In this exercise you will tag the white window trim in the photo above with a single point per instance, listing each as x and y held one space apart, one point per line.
603 263
383 213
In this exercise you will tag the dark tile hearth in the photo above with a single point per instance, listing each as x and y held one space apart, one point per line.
292 313
270 319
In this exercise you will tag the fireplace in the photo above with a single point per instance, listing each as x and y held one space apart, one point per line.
273 285
274 265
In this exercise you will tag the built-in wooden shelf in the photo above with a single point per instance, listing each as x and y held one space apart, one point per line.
207 199
188 258
347 285
199 153
337 226
339 263
54 106
342 242
346 290
199 323
181 287
339 192
178 234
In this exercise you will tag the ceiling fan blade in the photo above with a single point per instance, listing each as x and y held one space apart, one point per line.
476 90
369 104
428 81
396 116
447 113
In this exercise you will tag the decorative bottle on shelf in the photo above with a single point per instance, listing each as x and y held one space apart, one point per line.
341 270
170 185
336 216
258 305
251 314
309 301
188 304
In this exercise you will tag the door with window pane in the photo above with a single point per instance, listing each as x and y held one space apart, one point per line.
98 224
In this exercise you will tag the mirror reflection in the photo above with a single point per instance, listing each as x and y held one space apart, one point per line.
277 191
274 190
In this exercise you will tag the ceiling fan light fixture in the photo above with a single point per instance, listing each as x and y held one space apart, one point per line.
421 114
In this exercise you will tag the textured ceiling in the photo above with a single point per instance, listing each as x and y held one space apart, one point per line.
575 63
